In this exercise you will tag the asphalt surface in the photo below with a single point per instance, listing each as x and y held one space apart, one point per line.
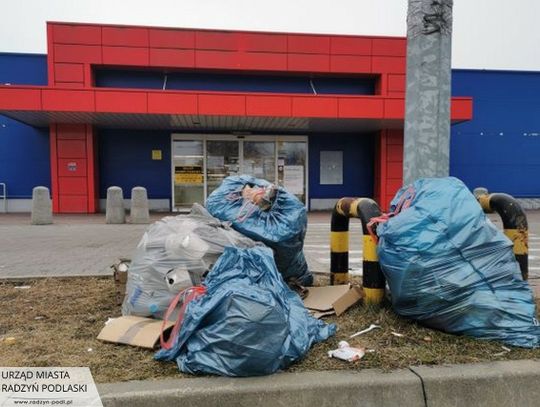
83 245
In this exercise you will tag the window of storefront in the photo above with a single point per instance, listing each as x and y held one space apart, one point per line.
201 162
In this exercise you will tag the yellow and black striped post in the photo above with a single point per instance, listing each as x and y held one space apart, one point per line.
372 277
514 223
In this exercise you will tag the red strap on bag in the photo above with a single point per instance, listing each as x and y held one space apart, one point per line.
187 295
404 202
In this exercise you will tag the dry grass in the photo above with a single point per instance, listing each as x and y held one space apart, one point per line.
55 322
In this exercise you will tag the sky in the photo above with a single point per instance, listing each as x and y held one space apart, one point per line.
487 34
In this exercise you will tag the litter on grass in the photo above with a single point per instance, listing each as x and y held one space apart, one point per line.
346 352
365 331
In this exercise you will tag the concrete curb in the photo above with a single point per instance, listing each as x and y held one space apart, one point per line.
510 383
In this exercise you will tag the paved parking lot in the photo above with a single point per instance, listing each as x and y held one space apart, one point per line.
85 245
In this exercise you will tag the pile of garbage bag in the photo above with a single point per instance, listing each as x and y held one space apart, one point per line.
175 253
275 217
449 268
248 323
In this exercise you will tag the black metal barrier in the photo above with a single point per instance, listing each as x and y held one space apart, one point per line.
372 279
514 223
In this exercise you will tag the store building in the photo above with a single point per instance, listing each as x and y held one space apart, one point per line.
177 110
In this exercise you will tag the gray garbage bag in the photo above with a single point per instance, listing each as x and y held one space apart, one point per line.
175 253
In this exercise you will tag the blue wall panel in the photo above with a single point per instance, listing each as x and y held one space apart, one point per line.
24 150
222 82
500 148
358 164
125 160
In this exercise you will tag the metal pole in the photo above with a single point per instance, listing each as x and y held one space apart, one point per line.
427 99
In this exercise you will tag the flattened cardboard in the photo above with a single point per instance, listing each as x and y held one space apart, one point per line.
319 315
323 298
135 331
329 300
350 298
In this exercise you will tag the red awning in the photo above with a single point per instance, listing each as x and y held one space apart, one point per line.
180 110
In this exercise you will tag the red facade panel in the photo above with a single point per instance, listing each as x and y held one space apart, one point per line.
69 85
121 101
396 47
350 46
68 100
90 54
160 38
217 59
172 103
268 106
308 62
176 58
263 42
77 34
396 83
129 56
314 107
20 99
222 105
73 186
461 109
71 148
73 204
308 44
388 64
395 152
71 131
394 108
68 72
361 108
395 169
71 167
263 61
125 36
216 40
350 63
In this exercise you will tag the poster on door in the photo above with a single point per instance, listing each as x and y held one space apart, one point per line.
293 179
191 175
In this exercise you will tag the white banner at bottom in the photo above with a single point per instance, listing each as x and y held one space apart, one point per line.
48 386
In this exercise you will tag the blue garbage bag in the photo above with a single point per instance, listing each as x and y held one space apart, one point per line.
448 267
282 227
249 323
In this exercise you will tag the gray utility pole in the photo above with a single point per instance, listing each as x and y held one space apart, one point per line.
427 100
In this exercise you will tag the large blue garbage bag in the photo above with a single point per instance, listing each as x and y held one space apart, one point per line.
448 267
282 227
249 323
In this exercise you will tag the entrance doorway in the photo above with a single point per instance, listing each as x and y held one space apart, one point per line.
200 162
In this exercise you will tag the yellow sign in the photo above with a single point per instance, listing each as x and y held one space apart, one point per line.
188 175
156 154
188 178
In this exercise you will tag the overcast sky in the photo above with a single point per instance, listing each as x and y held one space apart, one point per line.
488 34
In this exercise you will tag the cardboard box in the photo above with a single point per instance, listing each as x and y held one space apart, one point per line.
332 299
135 331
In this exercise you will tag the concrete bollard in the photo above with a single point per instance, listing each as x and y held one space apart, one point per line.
115 212
41 206
139 206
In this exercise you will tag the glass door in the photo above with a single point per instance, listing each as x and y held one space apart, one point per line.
292 167
201 162
260 159
222 160
188 175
